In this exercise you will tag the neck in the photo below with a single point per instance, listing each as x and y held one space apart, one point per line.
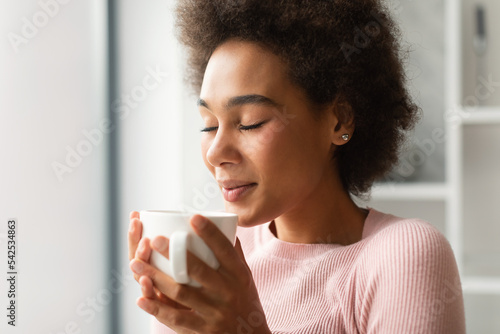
327 215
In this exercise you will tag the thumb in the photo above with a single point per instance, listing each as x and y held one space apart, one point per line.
239 250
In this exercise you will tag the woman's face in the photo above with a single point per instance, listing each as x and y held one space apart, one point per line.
260 142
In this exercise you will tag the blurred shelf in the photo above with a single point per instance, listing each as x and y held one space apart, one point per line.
483 258
410 191
481 285
485 264
481 115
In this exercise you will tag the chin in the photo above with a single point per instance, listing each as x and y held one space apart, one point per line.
247 217
245 223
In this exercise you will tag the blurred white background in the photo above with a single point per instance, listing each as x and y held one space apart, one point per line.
56 99
52 89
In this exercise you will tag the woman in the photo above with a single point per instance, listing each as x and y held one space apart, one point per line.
304 107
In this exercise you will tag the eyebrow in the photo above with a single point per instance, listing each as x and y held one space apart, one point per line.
244 99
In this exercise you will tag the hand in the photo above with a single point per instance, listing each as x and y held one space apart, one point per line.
139 248
227 301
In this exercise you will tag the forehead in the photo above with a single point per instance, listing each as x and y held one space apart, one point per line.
239 68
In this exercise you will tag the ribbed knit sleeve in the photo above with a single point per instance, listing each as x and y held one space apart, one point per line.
409 282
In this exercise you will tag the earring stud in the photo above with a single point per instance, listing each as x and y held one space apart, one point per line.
345 137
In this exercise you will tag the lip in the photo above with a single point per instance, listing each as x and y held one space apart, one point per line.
232 183
234 194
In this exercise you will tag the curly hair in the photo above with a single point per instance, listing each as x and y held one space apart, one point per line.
338 51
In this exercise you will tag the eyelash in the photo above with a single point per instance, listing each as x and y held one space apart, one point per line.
243 127
209 129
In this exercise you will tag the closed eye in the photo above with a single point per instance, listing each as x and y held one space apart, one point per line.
251 127
242 127
213 128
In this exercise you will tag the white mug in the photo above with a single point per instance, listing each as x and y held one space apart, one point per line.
175 226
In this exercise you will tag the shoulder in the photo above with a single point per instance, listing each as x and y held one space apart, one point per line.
391 232
405 249
407 270
409 242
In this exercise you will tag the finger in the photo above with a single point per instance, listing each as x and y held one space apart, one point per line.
201 272
142 253
134 214
186 295
216 241
149 291
241 255
239 251
160 244
170 316
147 287
134 236
197 269
144 250
164 299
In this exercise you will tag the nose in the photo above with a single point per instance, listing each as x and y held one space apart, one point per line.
223 149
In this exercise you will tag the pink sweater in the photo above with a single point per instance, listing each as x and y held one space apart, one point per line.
400 278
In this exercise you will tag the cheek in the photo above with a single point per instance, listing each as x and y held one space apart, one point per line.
263 148
272 153
288 158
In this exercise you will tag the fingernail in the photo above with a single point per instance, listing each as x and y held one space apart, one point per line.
136 267
160 244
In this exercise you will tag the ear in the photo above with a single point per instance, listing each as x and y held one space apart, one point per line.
343 121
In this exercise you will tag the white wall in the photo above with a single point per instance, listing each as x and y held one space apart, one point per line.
51 90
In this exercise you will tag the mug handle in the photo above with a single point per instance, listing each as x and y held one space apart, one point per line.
177 254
